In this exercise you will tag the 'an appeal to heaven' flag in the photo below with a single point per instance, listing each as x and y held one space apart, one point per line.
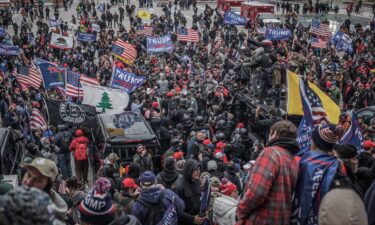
294 104
28 76
106 100
61 42
320 29
126 81
124 51
86 37
61 112
9 49
353 135
159 44
273 34
234 19
188 35
145 30
52 74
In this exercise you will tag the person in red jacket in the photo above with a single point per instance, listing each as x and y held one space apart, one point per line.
79 146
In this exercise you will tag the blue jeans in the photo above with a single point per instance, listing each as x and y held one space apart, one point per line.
63 161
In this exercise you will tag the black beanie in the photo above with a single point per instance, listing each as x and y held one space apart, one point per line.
169 165
346 151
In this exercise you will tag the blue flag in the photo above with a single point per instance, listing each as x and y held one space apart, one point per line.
53 23
9 49
159 44
317 170
315 23
53 75
170 215
126 81
86 37
3 32
234 19
304 132
273 34
100 7
206 196
336 37
353 135
345 44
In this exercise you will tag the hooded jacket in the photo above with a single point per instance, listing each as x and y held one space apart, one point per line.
189 191
268 198
152 197
342 206
225 210
169 175
370 204
79 147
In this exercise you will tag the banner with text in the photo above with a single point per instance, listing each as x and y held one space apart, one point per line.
274 34
234 19
53 75
160 44
86 37
126 81
9 50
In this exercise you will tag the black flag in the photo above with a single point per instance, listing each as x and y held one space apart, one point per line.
61 112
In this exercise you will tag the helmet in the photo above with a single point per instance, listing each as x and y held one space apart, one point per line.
221 124
199 120
175 141
243 131
61 127
186 120
190 112
220 136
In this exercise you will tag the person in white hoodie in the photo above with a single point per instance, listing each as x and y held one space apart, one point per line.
225 207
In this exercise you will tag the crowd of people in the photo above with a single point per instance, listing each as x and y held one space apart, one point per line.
207 140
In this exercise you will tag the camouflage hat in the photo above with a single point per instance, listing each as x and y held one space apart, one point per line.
45 166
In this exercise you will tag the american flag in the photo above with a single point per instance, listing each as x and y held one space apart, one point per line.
318 43
89 80
312 105
37 120
314 114
320 29
145 30
125 51
188 35
73 83
28 76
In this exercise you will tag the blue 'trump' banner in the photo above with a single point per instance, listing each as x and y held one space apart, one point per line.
273 34
3 32
126 81
159 44
86 37
9 50
234 19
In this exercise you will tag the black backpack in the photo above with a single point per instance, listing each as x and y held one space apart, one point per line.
156 211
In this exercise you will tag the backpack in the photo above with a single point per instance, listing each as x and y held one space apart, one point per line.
156 211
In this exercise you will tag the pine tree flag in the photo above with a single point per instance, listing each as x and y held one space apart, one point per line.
106 100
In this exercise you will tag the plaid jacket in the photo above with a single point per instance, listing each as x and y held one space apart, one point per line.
268 199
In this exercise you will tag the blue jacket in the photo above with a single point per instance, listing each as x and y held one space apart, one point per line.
152 196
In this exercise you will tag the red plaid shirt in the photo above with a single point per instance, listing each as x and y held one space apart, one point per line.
268 199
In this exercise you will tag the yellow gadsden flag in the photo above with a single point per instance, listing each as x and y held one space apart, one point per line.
144 14
294 105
